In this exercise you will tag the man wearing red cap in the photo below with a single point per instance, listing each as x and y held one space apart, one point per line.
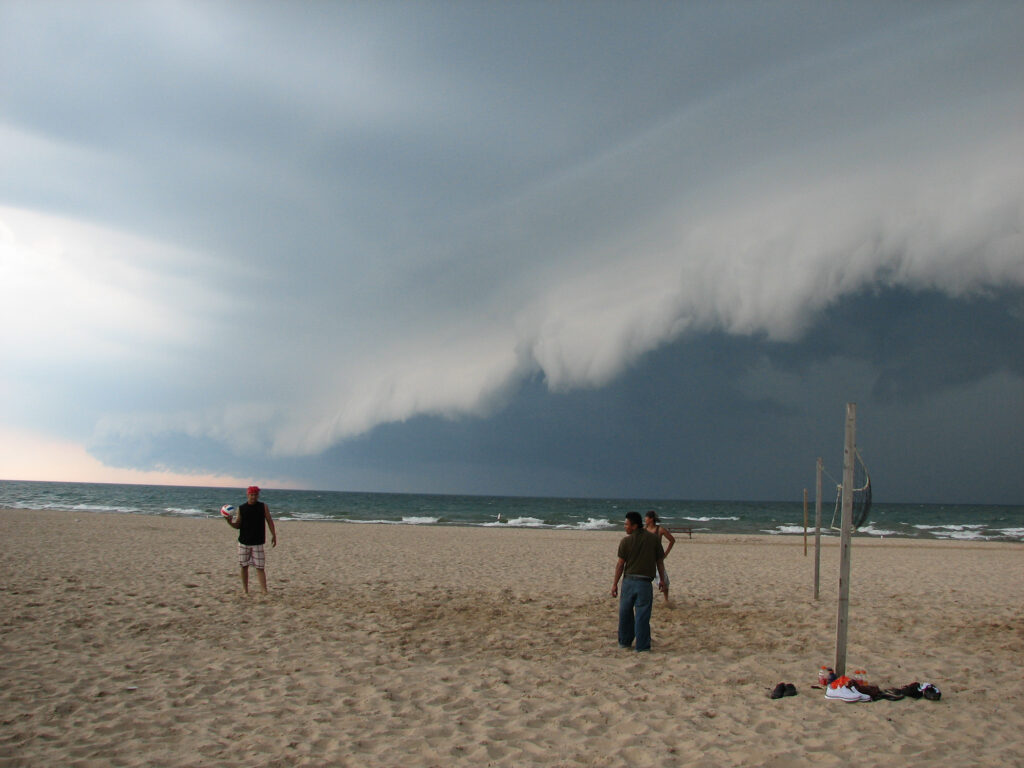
251 522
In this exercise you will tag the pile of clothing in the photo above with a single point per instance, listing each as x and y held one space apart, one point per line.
851 690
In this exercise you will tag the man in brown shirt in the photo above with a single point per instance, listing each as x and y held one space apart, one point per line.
641 556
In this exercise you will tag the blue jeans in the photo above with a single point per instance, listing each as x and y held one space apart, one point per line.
635 600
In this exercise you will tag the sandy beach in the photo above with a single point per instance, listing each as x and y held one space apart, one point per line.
126 641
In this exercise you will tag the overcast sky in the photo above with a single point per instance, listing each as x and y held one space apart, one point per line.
571 248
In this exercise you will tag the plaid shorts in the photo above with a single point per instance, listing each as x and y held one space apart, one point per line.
251 556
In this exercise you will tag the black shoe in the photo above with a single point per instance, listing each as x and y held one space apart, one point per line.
790 690
913 690
779 692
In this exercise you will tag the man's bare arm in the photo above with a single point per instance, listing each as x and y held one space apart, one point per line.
618 575
270 522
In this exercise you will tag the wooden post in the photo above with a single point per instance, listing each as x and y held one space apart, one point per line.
843 620
817 529
805 522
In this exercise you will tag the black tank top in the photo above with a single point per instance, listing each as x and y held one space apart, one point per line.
253 529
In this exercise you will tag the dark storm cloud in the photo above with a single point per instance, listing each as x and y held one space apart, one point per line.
704 417
324 233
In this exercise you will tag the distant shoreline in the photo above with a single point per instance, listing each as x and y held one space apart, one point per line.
830 541
783 519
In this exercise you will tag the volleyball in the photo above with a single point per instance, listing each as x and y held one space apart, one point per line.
228 510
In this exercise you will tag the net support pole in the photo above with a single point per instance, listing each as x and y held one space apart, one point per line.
805 522
849 456
817 530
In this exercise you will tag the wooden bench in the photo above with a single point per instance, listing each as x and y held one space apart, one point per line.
682 529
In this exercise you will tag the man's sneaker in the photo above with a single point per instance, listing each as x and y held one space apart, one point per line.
847 693
863 696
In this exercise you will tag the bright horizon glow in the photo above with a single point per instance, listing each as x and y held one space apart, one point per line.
31 457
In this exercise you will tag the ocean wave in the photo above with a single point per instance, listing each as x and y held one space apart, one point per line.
960 535
367 522
708 519
595 524
959 532
870 530
97 508
591 524
797 530
526 522
189 512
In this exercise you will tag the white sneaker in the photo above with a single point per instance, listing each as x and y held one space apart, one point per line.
863 696
846 693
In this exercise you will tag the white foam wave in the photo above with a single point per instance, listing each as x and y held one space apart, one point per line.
99 508
190 512
708 519
420 520
525 522
370 522
960 535
305 516
594 524
955 531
